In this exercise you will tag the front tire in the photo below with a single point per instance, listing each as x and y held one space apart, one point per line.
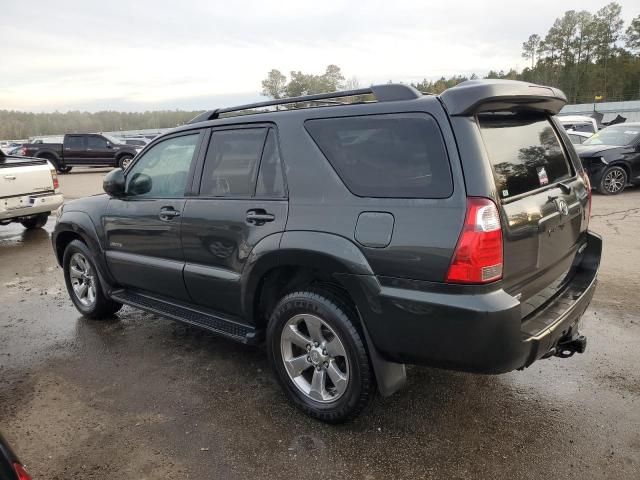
319 357
83 283
124 161
613 181
37 221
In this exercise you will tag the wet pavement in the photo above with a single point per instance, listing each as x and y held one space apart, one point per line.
143 397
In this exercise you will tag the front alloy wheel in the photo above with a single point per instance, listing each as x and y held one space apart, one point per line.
82 279
83 282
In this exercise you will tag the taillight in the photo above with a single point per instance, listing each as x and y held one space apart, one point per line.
54 178
587 185
478 255
21 472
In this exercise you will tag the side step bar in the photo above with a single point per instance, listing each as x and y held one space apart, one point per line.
214 323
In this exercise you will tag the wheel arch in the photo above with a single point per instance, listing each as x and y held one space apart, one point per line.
284 260
79 226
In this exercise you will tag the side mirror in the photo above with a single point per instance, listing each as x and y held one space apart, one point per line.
109 145
114 183
140 184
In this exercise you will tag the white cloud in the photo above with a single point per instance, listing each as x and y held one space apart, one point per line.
162 54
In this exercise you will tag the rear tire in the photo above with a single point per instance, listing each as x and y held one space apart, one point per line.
37 221
83 283
63 169
319 357
614 180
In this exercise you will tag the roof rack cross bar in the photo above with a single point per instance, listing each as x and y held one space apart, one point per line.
389 92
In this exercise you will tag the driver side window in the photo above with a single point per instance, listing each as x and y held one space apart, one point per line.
163 170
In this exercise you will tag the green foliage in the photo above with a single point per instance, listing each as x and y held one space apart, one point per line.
276 86
582 54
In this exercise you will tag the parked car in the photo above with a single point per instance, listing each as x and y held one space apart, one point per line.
29 191
611 157
89 149
10 467
138 142
447 230
578 138
579 123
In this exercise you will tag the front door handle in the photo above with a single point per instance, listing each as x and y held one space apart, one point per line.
259 217
168 213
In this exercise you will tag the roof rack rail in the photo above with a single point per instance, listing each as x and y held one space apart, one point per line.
389 92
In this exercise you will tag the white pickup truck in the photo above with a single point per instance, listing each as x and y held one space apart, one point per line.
29 191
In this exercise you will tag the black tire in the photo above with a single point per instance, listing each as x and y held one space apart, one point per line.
102 307
334 313
63 169
614 180
124 160
37 221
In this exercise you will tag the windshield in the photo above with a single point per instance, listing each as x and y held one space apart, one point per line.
619 135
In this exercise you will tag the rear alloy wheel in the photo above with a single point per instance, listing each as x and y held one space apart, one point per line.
37 221
614 179
319 356
124 161
83 282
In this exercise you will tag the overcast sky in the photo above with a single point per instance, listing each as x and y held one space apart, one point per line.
191 54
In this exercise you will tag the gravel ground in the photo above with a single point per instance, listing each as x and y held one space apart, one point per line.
144 397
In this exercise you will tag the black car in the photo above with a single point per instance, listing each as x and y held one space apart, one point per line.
611 157
10 467
447 230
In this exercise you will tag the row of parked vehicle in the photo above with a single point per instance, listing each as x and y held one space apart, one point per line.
611 156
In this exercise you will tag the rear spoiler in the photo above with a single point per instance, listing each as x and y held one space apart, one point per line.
476 96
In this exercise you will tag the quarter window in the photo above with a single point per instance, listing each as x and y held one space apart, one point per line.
163 170
401 156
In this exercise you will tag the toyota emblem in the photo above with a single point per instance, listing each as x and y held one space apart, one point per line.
563 208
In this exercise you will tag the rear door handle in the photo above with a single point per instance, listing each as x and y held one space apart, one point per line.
259 217
168 213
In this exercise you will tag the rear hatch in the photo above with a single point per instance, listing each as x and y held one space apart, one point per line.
21 176
543 201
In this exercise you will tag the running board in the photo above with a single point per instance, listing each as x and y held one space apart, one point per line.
214 323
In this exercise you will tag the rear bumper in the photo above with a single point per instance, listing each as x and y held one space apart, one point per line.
33 204
475 332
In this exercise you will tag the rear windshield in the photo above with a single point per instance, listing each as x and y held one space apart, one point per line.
524 151
398 155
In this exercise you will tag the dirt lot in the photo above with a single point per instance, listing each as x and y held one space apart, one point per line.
143 397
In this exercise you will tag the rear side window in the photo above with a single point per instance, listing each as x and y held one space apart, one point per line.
232 161
524 151
399 156
74 142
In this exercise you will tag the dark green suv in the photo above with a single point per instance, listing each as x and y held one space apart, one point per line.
354 232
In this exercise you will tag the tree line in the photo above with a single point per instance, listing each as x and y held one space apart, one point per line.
22 125
591 56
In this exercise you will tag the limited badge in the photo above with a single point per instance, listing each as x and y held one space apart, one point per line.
542 176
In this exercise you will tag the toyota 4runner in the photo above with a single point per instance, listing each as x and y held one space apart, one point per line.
353 238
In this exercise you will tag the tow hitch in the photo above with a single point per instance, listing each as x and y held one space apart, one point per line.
566 349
